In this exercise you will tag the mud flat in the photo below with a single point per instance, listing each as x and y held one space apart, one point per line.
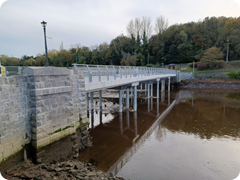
210 84
72 169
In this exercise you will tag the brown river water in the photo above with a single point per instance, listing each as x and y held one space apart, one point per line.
184 135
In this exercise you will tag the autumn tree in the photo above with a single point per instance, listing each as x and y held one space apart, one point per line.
161 24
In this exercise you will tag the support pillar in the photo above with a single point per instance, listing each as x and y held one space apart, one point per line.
141 87
169 78
148 104
157 106
127 99
91 99
120 100
162 96
135 98
100 99
87 98
148 90
145 88
151 103
158 88
152 90
163 85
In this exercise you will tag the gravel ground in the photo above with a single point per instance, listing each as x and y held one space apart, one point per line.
72 169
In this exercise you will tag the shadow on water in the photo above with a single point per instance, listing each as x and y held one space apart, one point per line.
198 138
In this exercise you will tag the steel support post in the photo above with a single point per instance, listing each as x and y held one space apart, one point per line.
169 83
162 96
145 88
135 98
100 100
157 88
92 118
87 98
91 97
157 106
127 99
151 103
141 87
148 90
120 101
148 104
152 90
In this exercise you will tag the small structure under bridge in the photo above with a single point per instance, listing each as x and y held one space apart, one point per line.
123 78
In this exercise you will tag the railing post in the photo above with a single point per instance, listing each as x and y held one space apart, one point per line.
130 72
89 75
99 74
107 73
120 72
114 73
125 72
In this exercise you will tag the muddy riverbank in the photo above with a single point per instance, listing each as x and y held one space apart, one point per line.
72 169
210 84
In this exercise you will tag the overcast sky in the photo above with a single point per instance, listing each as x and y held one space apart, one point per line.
91 22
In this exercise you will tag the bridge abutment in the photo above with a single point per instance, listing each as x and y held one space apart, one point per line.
48 104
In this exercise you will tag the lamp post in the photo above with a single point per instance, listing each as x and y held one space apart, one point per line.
227 50
148 57
44 24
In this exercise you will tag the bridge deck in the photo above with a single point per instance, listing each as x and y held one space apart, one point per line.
104 84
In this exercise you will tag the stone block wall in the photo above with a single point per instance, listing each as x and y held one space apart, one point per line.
184 76
42 106
15 115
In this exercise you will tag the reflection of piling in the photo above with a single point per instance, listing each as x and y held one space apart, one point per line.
127 117
100 115
135 123
92 118
120 121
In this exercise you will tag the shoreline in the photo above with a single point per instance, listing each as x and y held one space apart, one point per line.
215 84
72 169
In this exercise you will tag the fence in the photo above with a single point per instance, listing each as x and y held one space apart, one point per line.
100 73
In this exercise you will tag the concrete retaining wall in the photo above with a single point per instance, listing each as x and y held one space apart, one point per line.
15 115
42 106
185 76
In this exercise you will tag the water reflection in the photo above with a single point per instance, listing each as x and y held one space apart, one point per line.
115 138
198 138
205 118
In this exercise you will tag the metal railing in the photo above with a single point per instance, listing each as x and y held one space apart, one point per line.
101 73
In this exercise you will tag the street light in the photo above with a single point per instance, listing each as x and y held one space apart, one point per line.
44 24
227 50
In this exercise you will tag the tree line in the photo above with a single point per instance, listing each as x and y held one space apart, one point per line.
146 43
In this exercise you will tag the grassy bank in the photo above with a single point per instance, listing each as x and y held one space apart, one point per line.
230 67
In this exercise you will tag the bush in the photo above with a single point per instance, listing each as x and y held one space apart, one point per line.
191 65
153 65
201 66
234 75
220 64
